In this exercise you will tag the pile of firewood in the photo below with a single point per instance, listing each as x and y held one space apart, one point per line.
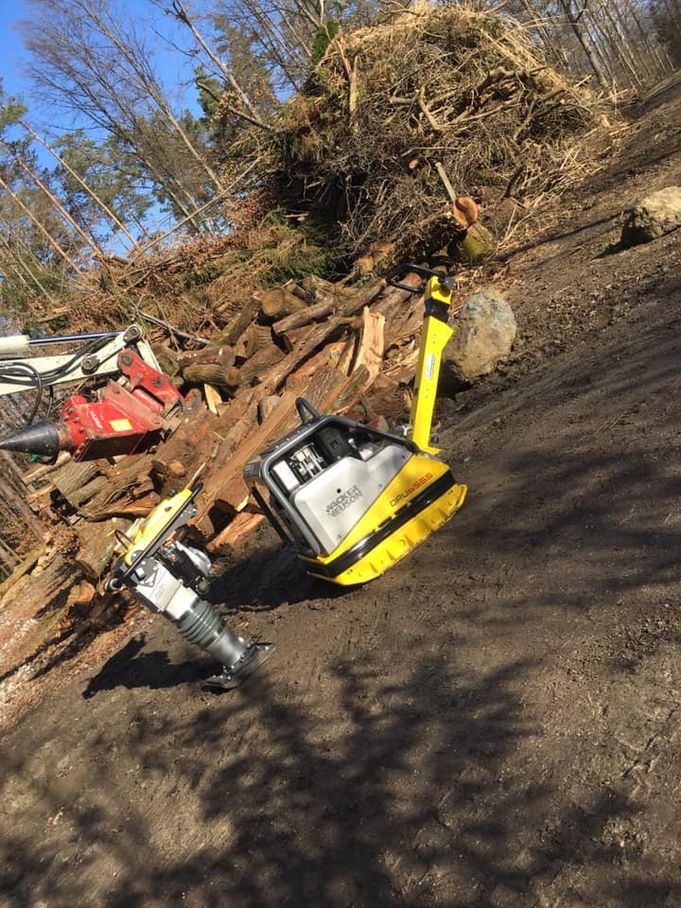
347 350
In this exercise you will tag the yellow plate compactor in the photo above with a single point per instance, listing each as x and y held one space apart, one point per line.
353 500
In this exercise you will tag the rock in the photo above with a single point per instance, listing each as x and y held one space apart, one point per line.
653 217
484 334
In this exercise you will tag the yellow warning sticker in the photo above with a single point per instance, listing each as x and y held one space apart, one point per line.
121 425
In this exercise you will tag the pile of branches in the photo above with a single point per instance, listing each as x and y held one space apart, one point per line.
357 150
197 283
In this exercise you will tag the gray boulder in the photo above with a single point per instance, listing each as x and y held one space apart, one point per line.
653 217
484 332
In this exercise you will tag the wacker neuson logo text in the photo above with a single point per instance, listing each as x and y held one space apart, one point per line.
345 499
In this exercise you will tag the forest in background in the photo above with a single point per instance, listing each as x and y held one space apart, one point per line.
136 152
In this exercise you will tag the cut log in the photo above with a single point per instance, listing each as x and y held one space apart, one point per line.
258 365
290 338
254 338
129 479
79 497
279 302
138 508
305 295
319 334
304 376
320 287
222 354
211 374
235 533
225 492
70 479
347 392
242 320
98 546
169 476
305 316
403 322
81 594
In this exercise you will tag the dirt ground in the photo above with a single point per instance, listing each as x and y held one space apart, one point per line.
496 722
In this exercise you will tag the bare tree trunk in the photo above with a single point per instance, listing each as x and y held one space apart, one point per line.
600 40
10 270
89 241
152 88
93 195
652 47
674 12
619 41
182 14
16 500
583 43
48 236
26 269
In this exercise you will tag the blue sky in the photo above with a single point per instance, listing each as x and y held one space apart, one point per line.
10 44
173 68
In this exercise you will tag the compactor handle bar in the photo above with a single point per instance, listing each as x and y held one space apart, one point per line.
410 267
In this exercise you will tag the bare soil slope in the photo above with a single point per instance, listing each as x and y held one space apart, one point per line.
494 723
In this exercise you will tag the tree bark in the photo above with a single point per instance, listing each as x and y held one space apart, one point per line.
304 316
98 546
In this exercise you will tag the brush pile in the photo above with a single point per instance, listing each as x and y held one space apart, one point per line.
357 151
358 162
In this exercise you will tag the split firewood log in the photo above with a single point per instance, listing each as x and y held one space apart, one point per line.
265 407
235 533
370 352
213 398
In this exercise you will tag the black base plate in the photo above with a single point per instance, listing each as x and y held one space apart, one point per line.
230 678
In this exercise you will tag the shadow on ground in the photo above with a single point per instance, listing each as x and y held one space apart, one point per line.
401 802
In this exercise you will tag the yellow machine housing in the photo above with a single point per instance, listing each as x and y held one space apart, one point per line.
351 499
392 526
